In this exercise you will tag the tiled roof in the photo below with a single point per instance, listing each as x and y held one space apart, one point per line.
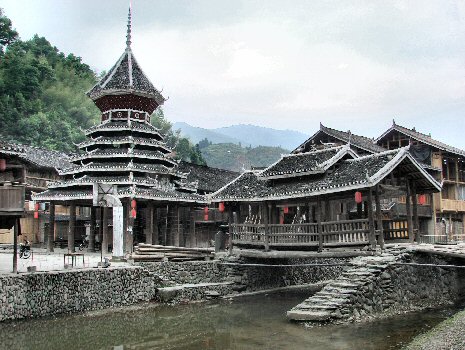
117 166
158 194
117 180
362 142
418 136
350 175
118 140
209 179
126 76
37 156
305 163
124 153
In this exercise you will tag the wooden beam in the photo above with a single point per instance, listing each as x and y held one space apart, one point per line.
71 227
105 231
51 228
379 218
371 221
409 212
319 225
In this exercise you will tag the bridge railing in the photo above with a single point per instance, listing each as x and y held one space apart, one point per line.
334 233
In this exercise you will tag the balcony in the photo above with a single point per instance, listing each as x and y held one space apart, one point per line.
452 205
11 200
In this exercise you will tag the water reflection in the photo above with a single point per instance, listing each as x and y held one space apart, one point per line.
248 323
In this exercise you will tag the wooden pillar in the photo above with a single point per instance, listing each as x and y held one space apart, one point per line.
176 227
360 210
379 218
409 212
416 220
15 245
319 225
128 227
433 210
230 229
169 225
91 247
105 231
371 221
192 240
327 210
155 238
71 227
51 228
265 215
149 224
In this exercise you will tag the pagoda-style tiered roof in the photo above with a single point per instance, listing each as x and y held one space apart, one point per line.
124 150
348 175
134 128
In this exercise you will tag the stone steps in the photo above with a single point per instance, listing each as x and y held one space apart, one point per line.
335 299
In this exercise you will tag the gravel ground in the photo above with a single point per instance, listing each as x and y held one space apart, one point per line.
448 335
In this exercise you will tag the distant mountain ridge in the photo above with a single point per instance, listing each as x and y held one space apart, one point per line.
246 134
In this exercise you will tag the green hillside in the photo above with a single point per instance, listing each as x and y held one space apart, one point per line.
43 101
234 157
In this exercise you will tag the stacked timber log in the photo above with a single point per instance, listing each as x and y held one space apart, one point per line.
148 252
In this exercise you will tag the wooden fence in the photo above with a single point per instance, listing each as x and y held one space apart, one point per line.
334 233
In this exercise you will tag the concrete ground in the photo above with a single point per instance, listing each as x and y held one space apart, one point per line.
47 261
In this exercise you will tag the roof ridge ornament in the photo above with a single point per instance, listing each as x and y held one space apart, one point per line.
128 34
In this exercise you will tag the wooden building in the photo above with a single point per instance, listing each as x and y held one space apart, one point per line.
314 198
447 165
31 168
127 152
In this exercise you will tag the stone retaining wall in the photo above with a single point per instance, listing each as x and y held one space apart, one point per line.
51 293
251 274
391 283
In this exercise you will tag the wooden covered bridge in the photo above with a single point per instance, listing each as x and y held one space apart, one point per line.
325 198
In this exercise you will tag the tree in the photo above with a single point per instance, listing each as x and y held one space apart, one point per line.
7 34
204 143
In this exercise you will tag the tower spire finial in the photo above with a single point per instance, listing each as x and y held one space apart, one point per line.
128 35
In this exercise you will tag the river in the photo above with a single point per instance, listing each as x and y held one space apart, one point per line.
255 322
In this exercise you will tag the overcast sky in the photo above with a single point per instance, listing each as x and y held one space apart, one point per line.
353 65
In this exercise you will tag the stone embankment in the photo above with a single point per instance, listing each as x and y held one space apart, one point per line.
388 283
52 293
199 280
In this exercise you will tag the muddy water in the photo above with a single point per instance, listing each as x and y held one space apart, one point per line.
256 322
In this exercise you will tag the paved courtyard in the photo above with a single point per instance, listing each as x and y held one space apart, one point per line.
47 261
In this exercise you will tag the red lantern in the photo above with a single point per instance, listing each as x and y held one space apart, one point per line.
205 217
133 213
286 210
205 210
2 165
36 215
221 207
422 199
358 197
133 204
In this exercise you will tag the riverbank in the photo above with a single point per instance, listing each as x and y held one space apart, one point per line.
450 334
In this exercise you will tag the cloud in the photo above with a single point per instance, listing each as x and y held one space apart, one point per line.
350 64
